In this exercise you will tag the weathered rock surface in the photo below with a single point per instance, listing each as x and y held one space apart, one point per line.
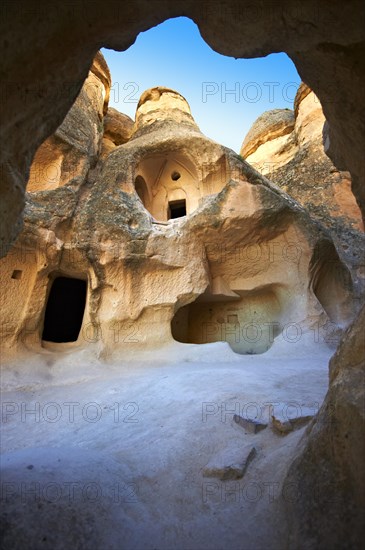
68 155
250 426
327 44
329 472
160 105
177 238
271 125
290 152
283 427
293 157
196 276
231 463
117 126
118 129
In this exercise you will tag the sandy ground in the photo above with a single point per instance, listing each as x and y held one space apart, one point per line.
111 455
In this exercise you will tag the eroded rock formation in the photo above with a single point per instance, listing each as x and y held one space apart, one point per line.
117 130
68 155
287 147
44 48
325 57
328 473
175 237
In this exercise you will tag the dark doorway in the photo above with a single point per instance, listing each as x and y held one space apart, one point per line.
177 209
65 310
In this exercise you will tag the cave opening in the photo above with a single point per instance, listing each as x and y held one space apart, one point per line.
331 283
248 323
64 310
205 440
176 209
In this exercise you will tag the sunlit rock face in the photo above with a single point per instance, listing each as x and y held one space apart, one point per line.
327 47
161 104
168 236
35 99
118 129
175 166
271 130
67 156
287 147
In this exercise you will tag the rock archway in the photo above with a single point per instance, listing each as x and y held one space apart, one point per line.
326 41
331 282
249 323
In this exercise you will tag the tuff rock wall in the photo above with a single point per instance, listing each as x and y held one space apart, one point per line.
45 46
242 256
287 147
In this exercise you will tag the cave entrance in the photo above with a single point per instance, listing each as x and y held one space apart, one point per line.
176 209
65 310
331 283
249 322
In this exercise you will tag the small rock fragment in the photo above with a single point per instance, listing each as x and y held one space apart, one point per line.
287 426
250 426
230 464
282 428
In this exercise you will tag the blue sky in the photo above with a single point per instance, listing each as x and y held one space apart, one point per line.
173 54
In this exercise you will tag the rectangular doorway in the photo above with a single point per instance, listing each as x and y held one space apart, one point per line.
64 310
176 209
